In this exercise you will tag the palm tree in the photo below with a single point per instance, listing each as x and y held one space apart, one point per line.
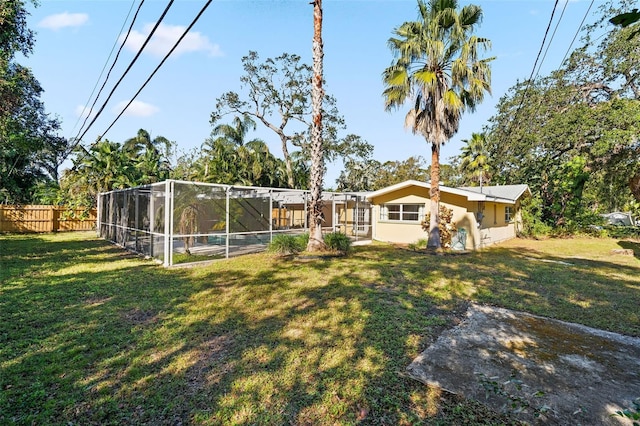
151 156
237 131
316 242
474 156
438 70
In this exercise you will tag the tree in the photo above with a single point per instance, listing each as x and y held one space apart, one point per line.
30 149
359 176
279 97
226 157
316 242
583 115
626 19
438 70
474 160
151 157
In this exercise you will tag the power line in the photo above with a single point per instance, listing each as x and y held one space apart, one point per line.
552 37
105 66
184 34
133 61
124 41
160 64
535 64
584 18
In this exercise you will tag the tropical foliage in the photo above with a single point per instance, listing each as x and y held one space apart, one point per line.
30 149
439 72
279 97
227 157
474 162
573 135
108 165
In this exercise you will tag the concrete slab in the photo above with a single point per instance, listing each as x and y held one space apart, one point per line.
542 370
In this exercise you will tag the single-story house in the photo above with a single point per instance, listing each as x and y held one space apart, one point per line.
485 215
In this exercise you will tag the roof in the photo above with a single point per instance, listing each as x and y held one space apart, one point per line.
507 194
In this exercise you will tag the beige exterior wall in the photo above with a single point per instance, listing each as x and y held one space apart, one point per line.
493 227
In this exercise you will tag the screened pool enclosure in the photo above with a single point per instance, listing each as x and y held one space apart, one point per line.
182 222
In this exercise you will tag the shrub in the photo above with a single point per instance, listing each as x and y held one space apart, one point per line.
532 224
616 231
445 226
421 244
337 241
284 245
303 240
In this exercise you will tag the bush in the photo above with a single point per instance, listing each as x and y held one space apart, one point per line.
446 228
616 231
285 245
532 224
337 241
303 240
421 244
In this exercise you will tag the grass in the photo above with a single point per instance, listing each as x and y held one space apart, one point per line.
92 335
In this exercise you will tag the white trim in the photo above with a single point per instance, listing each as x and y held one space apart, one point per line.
471 196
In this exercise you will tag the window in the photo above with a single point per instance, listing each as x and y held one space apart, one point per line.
402 212
508 213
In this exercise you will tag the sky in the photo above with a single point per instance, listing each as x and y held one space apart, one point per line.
77 40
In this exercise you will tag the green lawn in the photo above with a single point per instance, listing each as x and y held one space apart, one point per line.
92 335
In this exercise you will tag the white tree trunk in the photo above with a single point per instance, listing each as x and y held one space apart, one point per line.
316 242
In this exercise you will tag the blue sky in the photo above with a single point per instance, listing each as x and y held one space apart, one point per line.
74 39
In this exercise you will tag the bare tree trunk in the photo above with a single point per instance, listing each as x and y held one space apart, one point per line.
287 162
634 184
316 242
434 230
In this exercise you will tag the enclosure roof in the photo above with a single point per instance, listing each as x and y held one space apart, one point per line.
508 194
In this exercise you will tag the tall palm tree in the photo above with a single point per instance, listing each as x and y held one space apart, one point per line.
316 242
474 156
151 156
438 70
237 131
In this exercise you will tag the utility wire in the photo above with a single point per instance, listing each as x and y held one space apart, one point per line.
133 61
77 141
524 94
552 37
135 17
184 34
115 43
584 18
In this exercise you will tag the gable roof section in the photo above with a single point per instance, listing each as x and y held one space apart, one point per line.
508 194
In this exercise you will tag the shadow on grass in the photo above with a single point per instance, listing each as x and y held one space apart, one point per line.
631 245
102 338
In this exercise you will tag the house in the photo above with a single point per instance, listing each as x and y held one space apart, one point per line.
486 215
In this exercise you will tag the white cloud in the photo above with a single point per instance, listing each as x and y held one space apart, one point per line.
63 20
165 37
136 109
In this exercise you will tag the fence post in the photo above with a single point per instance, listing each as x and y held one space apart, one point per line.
54 219
168 225
226 219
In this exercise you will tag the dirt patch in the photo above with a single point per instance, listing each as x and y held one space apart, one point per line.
138 316
542 371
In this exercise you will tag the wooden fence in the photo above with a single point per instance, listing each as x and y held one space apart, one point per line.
45 219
